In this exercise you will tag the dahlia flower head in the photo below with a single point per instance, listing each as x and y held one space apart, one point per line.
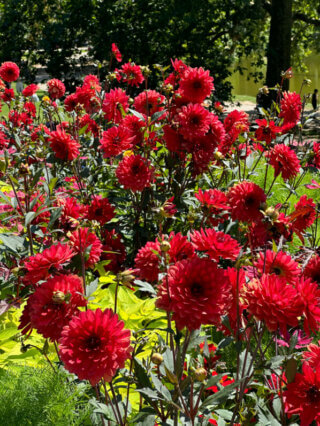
114 104
245 200
100 210
131 74
134 172
149 102
43 265
116 52
196 292
278 263
284 161
290 107
195 84
56 88
52 306
87 244
115 140
9 71
94 345
64 147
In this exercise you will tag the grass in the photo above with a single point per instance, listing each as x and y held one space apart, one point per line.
39 397
244 98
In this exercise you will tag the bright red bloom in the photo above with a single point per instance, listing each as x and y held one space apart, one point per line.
315 160
113 250
94 345
91 124
245 199
304 214
70 102
302 396
64 147
30 109
235 123
194 121
290 107
50 261
272 300
92 82
215 205
87 244
116 52
284 161
312 270
196 84
135 127
135 173
180 248
312 356
278 263
115 140
267 131
4 141
147 261
9 71
56 88
149 102
132 74
310 296
71 212
175 76
7 95
52 306
114 104
100 209
30 90
174 141
215 244
197 293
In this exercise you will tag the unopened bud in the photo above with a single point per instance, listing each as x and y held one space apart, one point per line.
165 246
272 213
24 169
157 358
126 277
58 297
200 374
218 155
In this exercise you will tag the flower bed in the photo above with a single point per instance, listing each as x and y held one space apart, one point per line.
166 256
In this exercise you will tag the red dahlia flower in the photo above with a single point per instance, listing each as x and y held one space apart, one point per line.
50 261
30 90
64 147
149 102
215 244
312 269
114 104
71 102
310 296
267 131
271 300
302 396
87 244
9 71
278 263
7 95
91 124
196 84
312 356
195 291
116 52
100 209
52 306
304 214
71 211
115 141
147 261
245 200
134 173
284 161
135 126
290 107
92 82
94 345
215 205
56 88
132 74
194 121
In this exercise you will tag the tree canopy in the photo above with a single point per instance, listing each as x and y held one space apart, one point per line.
210 33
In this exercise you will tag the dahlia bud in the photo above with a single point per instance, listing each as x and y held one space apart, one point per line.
264 90
200 374
168 209
218 155
168 88
165 246
126 277
145 70
58 297
272 213
307 82
157 358
287 74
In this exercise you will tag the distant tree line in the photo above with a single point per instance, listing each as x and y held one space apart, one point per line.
214 34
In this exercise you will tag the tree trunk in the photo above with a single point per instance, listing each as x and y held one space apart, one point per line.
279 48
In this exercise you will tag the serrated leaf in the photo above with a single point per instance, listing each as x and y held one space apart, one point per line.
144 286
161 388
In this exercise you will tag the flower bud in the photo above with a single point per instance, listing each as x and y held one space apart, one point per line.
272 213
165 246
58 297
218 155
157 358
200 374
126 277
